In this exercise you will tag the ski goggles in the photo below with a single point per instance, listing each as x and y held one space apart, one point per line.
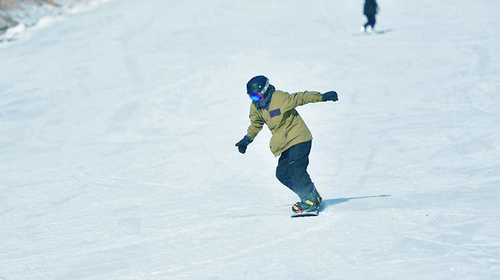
259 95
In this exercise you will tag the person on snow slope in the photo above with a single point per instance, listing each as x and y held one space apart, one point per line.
291 138
370 9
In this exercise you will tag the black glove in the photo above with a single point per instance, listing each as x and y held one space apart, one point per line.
331 95
242 145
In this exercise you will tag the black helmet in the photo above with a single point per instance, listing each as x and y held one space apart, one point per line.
258 84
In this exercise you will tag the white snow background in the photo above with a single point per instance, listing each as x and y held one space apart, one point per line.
118 125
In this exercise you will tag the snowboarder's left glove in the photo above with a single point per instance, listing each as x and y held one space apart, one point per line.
243 144
331 95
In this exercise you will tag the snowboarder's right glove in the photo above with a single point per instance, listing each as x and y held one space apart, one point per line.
243 144
331 95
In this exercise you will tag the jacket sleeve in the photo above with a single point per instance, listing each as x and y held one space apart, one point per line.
256 123
301 98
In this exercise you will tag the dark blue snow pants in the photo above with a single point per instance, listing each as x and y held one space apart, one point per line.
371 21
292 169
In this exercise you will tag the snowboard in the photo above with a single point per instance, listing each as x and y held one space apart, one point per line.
309 213
305 214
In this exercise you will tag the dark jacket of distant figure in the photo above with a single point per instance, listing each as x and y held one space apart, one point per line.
370 7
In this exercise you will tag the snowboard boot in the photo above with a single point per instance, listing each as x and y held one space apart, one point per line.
312 203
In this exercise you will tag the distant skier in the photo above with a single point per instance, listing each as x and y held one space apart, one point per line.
290 136
370 10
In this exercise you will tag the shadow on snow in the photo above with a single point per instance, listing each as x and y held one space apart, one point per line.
330 202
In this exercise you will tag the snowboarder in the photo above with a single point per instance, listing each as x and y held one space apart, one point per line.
291 139
370 10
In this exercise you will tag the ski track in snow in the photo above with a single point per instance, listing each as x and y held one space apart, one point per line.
117 132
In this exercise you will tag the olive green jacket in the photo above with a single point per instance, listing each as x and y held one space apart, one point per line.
286 125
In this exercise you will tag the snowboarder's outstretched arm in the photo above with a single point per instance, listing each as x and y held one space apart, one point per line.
293 100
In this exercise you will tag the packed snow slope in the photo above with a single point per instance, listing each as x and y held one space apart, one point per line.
118 125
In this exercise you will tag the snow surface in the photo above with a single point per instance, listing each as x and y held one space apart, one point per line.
118 125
